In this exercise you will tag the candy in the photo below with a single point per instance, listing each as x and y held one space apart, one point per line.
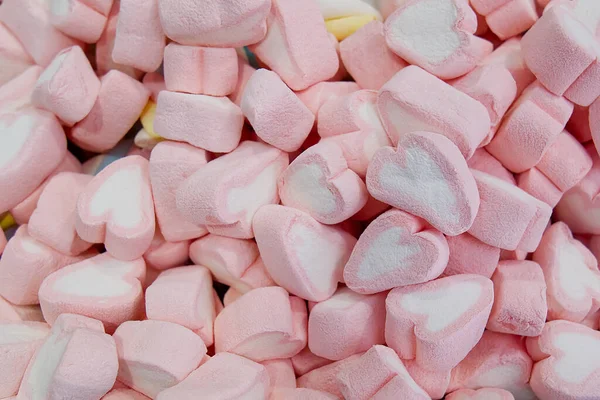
13 57
481 394
507 18
163 255
469 255
74 18
281 373
510 56
315 96
324 378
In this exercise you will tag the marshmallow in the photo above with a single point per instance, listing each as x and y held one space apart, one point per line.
139 41
183 296
74 18
337 9
435 383
519 299
469 255
163 255
281 374
13 57
171 163
594 123
345 324
510 56
301 255
534 182
230 296
306 361
156 355
297 46
211 123
483 161
324 378
439 322
225 376
200 70
116 209
77 357
245 71
2 241
373 372
367 57
481 394
405 106
579 124
100 287
18 342
507 18
396 249
566 361
119 104
428 177
538 224
300 394
124 394
572 275
315 96
343 27
320 183
275 112
53 221
29 21
372 209
25 263
155 83
15 95
213 23
14 313
33 145
498 361
449 49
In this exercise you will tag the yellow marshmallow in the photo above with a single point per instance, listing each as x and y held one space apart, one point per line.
6 221
346 26
147 119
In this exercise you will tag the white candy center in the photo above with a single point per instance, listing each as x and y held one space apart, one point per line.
581 356
307 187
388 252
105 280
13 137
573 274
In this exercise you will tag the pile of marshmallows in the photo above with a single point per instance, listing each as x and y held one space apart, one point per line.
400 195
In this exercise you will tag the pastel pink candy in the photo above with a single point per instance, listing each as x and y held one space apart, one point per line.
139 41
594 123
234 262
170 164
566 363
306 361
29 21
69 72
162 255
77 357
33 145
579 124
25 263
519 299
302 255
274 326
483 161
481 394
275 112
509 55
405 106
534 182
120 102
53 221
520 144
281 373
469 255
494 87
372 372
225 376
534 231
213 23
396 249
439 322
13 57
2 241
316 95
183 296
211 123
450 49
300 394
156 355
324 378
320 183
371 210
560 255
229 189
116 209
124 394
426 176
507 18
245 71
18 342
435 383
100 287
14 313
498 361
75 19
297 46
200 70
345 324
15 95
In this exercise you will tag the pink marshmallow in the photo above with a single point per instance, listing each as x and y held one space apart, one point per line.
301 255
579 124
483 161
275 112
281 374
300 394
324 378
156 355
75 19
435 383
15 95
245 71
100 287
163 255
534 182
367 57
124 394
183 296
315 96
274 326
510 56
405 106
469 255
13 57
211 123
396 249
306 361
450 49
200 70
2 241
345 324
120 102
15 313
481 394
29 21
116 209
320 183
439 322
405 178
533 233
519 299
297 46
507 18
225 376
